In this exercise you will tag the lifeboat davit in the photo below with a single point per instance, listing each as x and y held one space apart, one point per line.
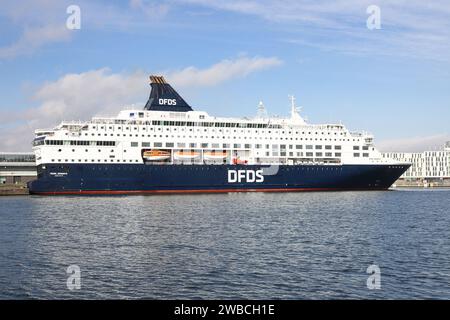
186 155
156 155
214 155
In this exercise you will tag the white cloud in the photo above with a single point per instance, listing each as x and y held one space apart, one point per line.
222 71
409 28
80 96
415 144
34 38
77 96
41 22
415 28
151 9
339 13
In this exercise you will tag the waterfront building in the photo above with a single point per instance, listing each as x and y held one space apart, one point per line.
428 168
17 167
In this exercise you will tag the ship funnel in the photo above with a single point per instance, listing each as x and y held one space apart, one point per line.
164 98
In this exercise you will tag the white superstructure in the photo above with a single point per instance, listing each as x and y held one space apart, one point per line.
124 138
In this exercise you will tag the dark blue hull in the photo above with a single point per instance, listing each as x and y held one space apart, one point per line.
141 178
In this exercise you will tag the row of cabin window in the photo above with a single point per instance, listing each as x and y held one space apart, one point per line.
363 148
235 146
204 124
319 154
98 160
79 143
212 124
191 145
87 150
223 137
357 155
249 131
307 154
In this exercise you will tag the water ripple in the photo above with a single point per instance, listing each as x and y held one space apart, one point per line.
227 246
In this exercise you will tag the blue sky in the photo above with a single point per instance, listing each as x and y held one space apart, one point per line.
224 57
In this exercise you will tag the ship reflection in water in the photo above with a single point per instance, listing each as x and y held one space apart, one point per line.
227 246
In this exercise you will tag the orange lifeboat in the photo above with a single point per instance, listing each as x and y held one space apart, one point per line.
156 155
214 155
186 155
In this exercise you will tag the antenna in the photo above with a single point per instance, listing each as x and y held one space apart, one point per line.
262 113
293 109
295 116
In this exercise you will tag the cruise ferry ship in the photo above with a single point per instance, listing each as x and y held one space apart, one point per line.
167 147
